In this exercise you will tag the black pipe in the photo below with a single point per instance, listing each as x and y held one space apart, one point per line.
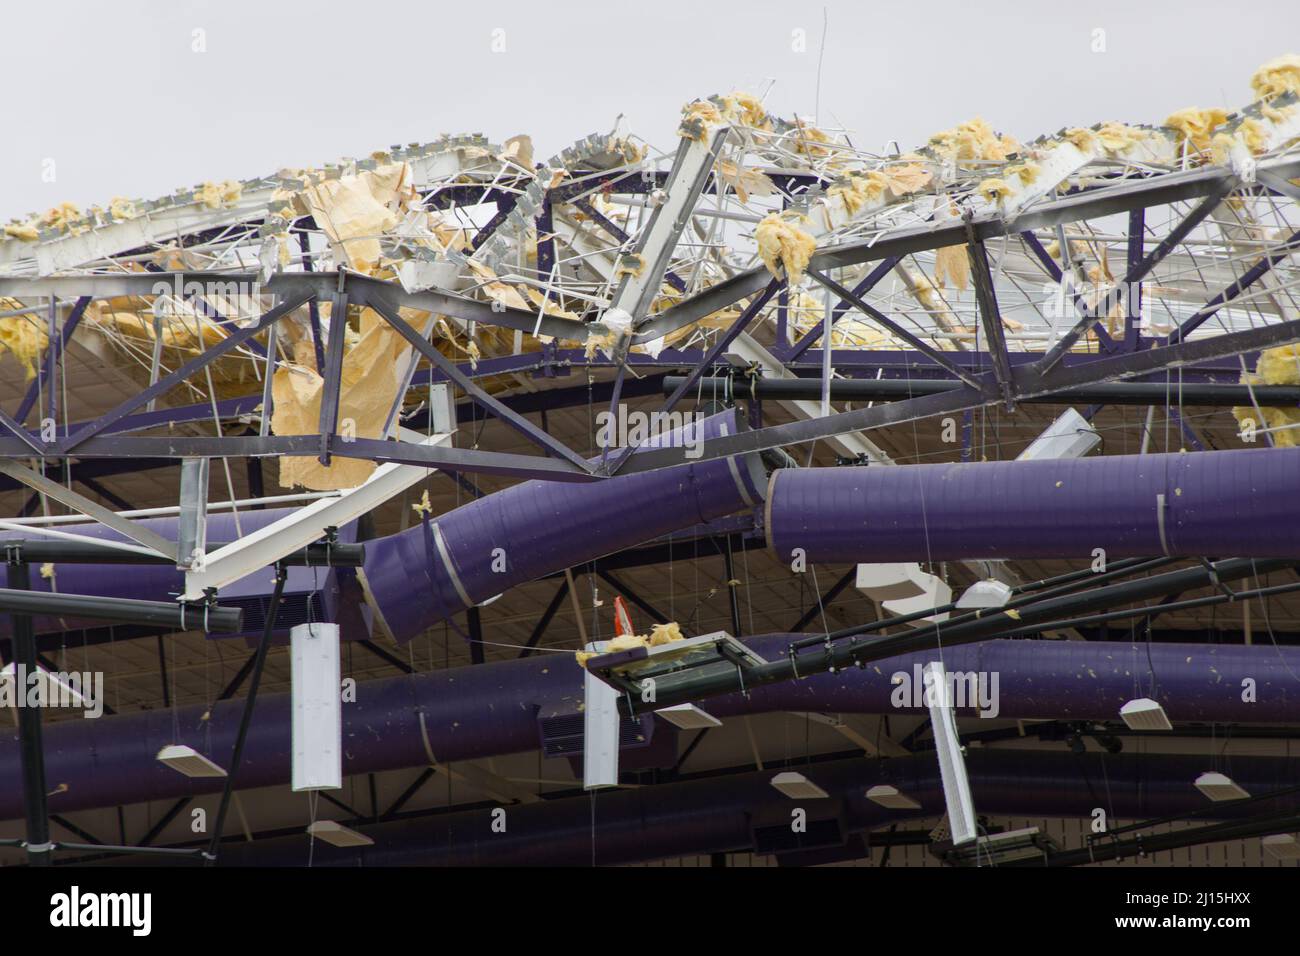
318 554
1049 587
29 730
178 617
246 717
845 648
887 389
1147 843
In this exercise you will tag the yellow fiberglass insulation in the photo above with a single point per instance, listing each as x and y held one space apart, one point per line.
22 230
906 178
745 182
1277 76
1117 137
122 208
354 211
859 189
24 337
784 247
599 342
368 388
1251 133
62 216
745 109
698 117
216 195
1196 126
973 140
995 190
810 141
660 634
1279 366
951 264
1083 139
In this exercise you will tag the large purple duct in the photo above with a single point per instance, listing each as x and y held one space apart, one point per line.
310 592
506 707
742 812
462 558
1219 503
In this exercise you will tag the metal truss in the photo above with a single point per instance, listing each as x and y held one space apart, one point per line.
611 257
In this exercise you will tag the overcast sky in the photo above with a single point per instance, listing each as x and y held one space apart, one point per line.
117 96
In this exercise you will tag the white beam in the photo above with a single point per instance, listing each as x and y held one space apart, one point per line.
238 559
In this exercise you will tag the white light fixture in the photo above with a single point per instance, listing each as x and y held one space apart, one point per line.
1145 714
891 797
316 728
1281 846
1218 787
187 760
1070 436
987 593
336 834
688 717
797 787
600 722
952 762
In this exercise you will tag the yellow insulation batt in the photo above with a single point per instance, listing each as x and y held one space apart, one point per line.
660 634
22 230
1250 133
354 211
952 264
1279 366
1196 127
784 247
122 208
995 189
697 117
736 109
859 189
216 195
1117 137
972 141
1277 76
745 182
368 388
23 336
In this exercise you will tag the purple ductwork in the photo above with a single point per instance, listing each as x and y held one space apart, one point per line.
499 708
310 593
462 558
743 812
1223 503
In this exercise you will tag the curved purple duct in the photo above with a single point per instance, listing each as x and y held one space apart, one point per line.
499 708
462 558
1219 503
159 582
722 814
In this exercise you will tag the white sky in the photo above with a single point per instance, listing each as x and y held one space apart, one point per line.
114 94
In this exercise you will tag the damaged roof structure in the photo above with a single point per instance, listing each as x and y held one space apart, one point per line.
600 472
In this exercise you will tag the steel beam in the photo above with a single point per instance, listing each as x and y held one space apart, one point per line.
299 528
79 502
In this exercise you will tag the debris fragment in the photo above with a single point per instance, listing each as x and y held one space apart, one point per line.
784 246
